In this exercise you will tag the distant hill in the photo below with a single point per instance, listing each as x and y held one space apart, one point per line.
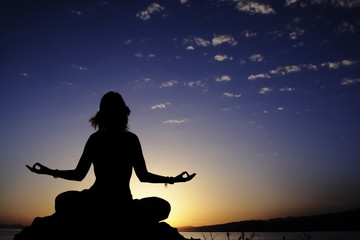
340 221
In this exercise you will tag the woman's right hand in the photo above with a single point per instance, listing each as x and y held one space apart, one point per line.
39 169
184 177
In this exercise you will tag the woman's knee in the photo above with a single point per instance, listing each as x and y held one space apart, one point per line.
63 200
160 207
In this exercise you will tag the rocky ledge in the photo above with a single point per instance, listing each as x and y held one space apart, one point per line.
96 227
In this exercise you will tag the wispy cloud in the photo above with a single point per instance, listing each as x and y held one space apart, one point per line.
222 57
202 42
68 84
249 34
220 39
175 121
80 68
256 58
265 90
149 11
336 65
254 7
76 12
197 83
170 83
296 33
138 55
223 78
261 75
286 89
349 81
283 70
334 3
160 106
345 27
290 2
338 3
286 69
231 95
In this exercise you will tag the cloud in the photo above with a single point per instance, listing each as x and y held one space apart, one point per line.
249 34
297 33
265 90
160 106
290 2
256 58
331 65
346 62
349 81
223 78
24 74
75 12
338 3
286 69
220 39
221 57
174 121
286 89
202 42
68 84
190 48
170 83
345 27
283 70
261 75
231 95
151 9
338 64
183 1
138 55
195 84
80 68
254 7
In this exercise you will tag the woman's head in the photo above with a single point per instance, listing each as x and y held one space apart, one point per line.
113 112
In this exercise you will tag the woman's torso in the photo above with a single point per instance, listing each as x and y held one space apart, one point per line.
113 154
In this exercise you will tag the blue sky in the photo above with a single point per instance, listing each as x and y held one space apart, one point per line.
260 98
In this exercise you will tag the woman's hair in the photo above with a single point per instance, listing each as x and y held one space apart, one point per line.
113 113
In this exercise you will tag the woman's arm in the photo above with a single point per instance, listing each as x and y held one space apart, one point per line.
77 174
145 176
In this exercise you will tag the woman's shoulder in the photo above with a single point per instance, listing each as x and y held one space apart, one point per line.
104 133
131 135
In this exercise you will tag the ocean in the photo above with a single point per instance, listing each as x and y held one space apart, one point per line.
8 234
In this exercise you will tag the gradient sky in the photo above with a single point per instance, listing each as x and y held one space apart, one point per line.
260 98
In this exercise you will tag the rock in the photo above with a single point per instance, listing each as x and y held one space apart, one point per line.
96 227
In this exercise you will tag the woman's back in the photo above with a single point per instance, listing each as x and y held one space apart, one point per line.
113 154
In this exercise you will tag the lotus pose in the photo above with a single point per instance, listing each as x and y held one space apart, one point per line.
114 151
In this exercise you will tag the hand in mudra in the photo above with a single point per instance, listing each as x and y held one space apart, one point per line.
184 177
39 168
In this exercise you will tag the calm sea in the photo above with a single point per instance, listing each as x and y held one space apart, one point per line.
8 234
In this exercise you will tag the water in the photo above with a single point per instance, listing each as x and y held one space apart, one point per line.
275 235
8 234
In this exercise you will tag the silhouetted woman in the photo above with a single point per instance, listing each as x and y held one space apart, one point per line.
114 151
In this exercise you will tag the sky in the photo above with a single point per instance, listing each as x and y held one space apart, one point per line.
260 98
